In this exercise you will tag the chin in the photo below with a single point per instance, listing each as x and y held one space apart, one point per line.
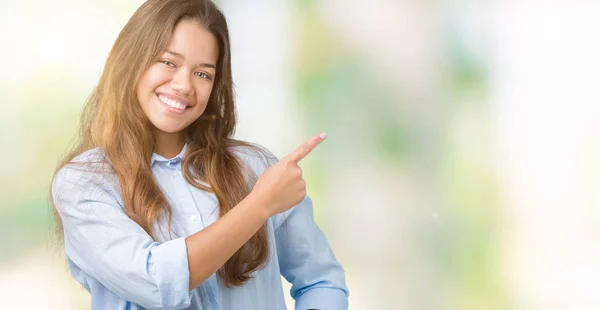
168 128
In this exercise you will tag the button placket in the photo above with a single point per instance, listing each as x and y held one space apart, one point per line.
185 196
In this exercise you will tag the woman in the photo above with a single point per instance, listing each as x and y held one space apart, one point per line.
160 207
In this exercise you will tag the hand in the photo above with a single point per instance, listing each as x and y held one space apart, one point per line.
281 186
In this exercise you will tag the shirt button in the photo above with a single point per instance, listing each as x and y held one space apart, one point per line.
194 217
176 173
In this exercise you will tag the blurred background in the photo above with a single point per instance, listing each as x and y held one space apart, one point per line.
463 160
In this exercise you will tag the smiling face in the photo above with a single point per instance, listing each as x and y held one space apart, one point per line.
174 91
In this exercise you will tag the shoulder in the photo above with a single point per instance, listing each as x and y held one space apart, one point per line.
255 156
86 172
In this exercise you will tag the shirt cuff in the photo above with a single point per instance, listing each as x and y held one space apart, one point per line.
172 274
322 298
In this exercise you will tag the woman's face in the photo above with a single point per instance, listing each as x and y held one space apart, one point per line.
174 91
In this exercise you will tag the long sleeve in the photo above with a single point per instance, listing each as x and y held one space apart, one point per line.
102 241
305 258
307 262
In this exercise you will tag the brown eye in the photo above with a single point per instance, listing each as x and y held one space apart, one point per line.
203 75
168 63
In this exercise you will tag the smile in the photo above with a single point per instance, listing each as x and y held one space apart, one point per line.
172 103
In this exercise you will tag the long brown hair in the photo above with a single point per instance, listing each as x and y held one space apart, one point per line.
113 121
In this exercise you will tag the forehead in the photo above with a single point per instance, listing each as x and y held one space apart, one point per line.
194 42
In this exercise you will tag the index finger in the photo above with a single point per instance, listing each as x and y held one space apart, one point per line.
306 148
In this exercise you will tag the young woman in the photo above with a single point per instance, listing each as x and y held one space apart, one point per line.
160 208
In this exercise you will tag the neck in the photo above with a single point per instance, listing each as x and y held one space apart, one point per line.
168 145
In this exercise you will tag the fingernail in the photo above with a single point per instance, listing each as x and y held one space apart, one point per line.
323 135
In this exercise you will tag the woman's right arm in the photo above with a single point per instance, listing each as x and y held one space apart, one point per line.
110 247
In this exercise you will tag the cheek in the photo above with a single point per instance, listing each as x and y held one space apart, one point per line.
143 87
203 93
152 79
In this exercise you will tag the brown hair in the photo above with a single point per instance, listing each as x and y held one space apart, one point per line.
113 121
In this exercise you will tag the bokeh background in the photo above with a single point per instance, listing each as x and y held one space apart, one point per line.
462 170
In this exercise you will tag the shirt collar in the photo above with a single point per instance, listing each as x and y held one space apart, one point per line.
158 158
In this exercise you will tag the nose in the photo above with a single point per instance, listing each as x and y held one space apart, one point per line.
181 83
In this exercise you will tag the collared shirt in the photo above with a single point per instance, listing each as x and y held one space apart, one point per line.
123 267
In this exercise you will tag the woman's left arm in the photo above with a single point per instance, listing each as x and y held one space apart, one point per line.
307 262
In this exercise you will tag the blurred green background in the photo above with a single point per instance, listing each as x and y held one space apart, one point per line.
463 159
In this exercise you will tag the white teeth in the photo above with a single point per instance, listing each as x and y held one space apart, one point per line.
171 103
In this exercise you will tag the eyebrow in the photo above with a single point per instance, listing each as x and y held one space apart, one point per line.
206 65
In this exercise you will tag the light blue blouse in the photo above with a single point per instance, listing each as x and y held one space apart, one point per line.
124 268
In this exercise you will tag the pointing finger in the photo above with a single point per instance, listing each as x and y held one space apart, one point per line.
305 148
